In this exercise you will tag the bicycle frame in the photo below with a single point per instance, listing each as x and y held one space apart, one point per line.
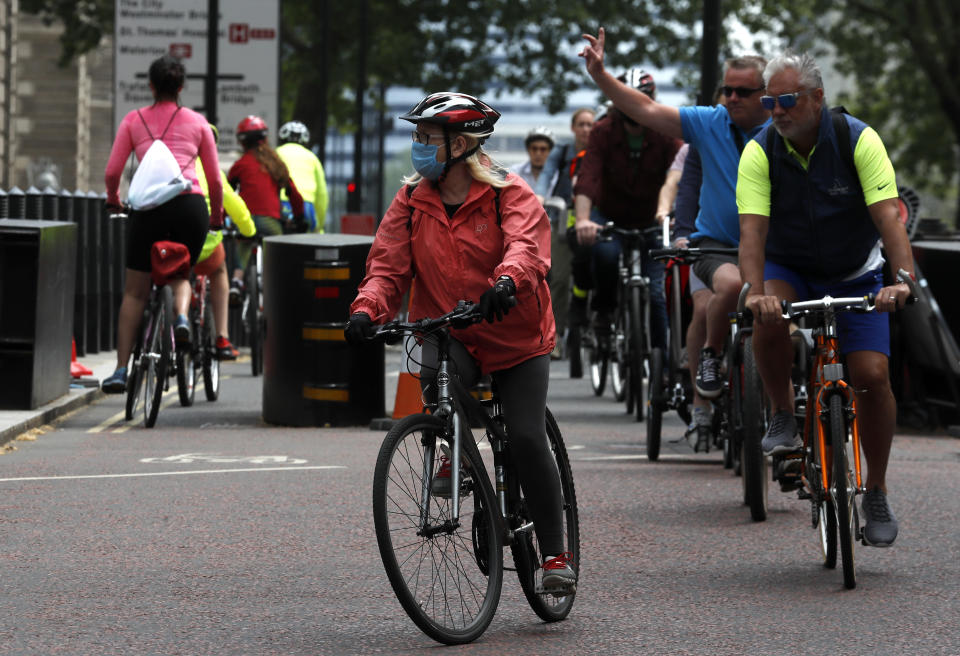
826 379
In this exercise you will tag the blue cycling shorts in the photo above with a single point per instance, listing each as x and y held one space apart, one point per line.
867 331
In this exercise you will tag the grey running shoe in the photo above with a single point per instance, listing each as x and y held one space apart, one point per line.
781 436
881 525
701 429
709 382
559 577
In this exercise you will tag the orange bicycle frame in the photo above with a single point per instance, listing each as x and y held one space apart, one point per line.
826 352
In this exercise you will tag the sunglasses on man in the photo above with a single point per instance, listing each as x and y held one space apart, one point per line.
742 92
786 100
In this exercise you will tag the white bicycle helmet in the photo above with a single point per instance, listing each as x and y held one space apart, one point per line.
294 131
539 133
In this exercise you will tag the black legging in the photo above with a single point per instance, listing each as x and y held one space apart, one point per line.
523 395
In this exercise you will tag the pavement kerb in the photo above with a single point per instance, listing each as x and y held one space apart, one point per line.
14 423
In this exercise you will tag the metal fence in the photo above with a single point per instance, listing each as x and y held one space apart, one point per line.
100 255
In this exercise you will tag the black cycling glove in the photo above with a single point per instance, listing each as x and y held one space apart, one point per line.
497 301
359 329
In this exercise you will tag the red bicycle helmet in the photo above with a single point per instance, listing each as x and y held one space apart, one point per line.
456 112
251 129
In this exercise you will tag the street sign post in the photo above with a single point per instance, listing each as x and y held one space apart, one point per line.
248 57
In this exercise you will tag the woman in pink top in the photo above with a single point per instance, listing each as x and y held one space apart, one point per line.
183 219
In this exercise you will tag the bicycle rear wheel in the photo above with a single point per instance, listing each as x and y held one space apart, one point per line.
187 356
655 403
598 358
753 420
253 321
161 338
448 580
211 365
575 350
135 378
619 361
842 490
525 548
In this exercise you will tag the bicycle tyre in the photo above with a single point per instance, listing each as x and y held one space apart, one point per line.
211 365
753 462
253 321
525 549
476 545
161 338
135 379
599 360
840 486
619 361
655 403
186 376
639 356
575 351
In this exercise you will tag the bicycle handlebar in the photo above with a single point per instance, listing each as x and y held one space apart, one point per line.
688 254
465 314
610 228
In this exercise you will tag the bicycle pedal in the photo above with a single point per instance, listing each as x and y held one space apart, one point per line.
559 593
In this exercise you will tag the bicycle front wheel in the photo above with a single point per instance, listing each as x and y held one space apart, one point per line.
135 379
655 403
638 347
619 361
753 420
186 375
599 360
842 490
525 548
446 576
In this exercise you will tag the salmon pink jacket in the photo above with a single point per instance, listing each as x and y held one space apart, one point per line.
459 258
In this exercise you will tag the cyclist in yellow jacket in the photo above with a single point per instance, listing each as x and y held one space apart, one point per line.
306 171
212 260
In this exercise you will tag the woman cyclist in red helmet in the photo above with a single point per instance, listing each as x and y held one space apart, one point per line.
258 176
444 226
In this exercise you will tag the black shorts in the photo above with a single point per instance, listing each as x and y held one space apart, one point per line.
707 265
182 219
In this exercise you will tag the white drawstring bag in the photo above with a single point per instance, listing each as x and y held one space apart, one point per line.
158 178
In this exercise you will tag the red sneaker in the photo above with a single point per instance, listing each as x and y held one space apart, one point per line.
225 350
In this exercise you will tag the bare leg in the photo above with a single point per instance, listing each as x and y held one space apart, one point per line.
136 291
876 412
726 286
774 351
696 336
219 296
181 295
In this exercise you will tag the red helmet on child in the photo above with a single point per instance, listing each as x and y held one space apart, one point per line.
251 129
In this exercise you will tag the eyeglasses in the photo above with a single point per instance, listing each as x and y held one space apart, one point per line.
423 137
786 100
743 92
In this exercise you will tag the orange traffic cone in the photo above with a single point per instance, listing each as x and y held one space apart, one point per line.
408 400
76 369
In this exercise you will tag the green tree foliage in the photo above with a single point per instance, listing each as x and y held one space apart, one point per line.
85 22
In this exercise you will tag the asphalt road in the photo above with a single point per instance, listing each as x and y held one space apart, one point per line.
214 533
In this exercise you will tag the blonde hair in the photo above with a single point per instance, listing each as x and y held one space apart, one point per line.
483 168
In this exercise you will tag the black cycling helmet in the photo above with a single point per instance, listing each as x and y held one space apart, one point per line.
639 79
455 112
294 131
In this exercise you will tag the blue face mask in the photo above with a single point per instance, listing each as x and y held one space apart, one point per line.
424 157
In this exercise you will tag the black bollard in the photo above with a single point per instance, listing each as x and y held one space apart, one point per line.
87 213
33 207
49 207
18 203
4 205
108 314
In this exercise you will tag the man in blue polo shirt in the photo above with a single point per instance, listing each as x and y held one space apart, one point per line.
719 133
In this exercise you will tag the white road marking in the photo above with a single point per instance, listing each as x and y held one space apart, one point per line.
171 473
218 458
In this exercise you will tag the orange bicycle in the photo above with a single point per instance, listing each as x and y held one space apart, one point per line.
826 402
